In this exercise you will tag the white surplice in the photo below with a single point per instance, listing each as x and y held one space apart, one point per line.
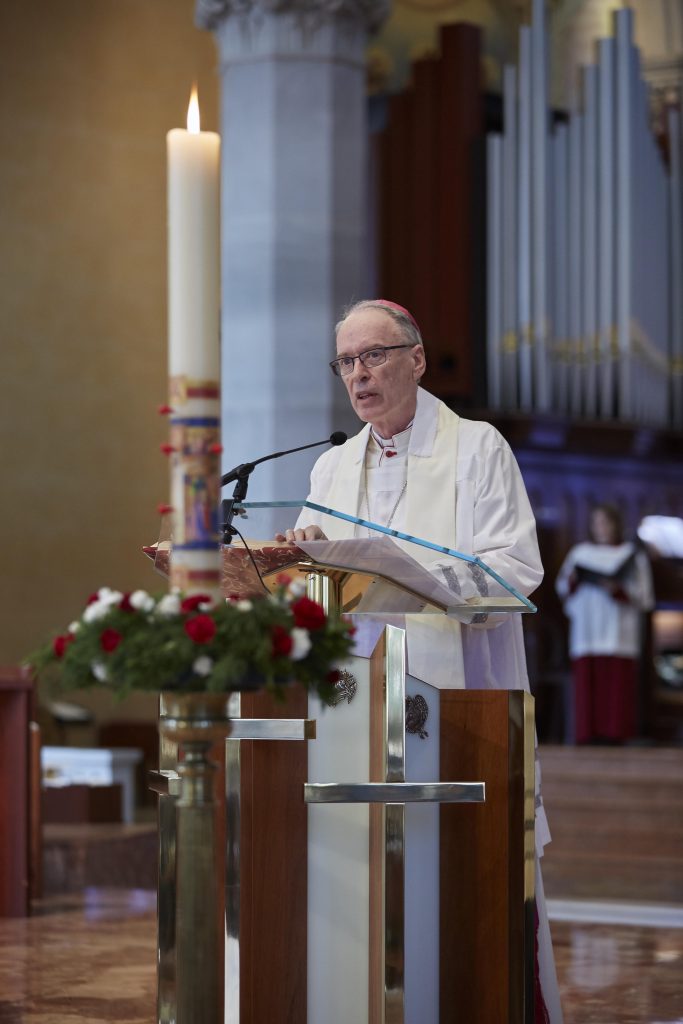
600 625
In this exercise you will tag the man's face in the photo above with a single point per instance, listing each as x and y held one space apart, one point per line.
385 395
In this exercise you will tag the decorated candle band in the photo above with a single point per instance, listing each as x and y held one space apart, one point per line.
183 389
194 445
190 577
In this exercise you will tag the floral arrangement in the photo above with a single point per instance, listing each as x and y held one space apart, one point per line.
138 641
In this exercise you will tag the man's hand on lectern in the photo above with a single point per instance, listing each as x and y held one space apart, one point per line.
295 536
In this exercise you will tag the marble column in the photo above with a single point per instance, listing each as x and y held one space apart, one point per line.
294 184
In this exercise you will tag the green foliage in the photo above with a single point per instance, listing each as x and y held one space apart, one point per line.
171 642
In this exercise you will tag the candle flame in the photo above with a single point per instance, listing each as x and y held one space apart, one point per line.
193 112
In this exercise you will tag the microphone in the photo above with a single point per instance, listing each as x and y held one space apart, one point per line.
242 471
241 475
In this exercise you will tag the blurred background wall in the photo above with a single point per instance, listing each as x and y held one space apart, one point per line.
87 94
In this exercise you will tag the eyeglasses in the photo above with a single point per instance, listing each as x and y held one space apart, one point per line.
373 357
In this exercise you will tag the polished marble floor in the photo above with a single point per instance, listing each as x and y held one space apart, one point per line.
89 959
81 959
619 974
614 879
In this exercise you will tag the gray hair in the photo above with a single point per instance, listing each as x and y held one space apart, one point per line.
408 328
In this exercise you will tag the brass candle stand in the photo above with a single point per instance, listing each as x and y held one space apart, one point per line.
195 722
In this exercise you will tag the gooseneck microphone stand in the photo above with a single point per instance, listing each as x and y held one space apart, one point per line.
227 508
240 474
228 511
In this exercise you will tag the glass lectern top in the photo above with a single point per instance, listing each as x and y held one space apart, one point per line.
459 585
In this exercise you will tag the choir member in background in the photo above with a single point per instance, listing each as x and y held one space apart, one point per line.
605 585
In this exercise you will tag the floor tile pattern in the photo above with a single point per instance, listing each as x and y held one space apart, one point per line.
619 975
86 958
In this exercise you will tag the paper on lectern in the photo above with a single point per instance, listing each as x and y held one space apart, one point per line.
382 556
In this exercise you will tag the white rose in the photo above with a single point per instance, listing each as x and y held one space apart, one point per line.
99 670
297 588
203 665
74 627
169 605
302 643
141 601
243 606
109 596
96 610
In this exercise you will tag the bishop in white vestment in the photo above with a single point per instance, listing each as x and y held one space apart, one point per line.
419 468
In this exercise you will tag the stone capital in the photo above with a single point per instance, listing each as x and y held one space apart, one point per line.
369 14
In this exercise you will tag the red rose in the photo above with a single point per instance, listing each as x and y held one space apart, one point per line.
308 614
190 604
110 640
283 579
125 604
60 644
334 676
282 642
93 598
201 629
